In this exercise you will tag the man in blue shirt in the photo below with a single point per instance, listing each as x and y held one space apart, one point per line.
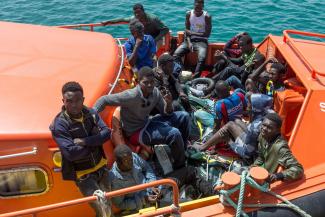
129 170
228 107
140 48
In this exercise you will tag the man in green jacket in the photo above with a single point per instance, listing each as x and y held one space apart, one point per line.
273 151
152 24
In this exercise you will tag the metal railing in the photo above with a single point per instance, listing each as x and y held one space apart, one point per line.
32 152
91 26
287 38
120 68
165 210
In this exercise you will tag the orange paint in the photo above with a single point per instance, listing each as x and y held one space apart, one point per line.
37 60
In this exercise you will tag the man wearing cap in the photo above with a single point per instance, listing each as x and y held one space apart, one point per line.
166 81
273 151
140 48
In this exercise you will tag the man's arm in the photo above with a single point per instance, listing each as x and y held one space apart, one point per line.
259 161
102 136
254 76
238 61
128 203
228 47
292 168
163 29
132 51
188 30
164 104
69 149
153 47
117 99
146 169
117 21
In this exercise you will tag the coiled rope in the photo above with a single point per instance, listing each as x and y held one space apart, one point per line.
103 203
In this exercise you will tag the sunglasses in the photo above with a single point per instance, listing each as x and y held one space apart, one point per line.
145 103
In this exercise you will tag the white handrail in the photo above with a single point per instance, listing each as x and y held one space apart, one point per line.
32 152
121 67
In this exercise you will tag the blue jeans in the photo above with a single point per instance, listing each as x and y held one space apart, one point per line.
172 130
200 47
93 181
235 82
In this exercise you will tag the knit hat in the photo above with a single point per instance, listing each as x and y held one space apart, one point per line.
165 58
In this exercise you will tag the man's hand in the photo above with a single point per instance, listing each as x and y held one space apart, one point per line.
157 192
138 42
151 199
104 23
219 55
167 97
188 32
274 177
79 141
241 34
197 146
183 96
272 60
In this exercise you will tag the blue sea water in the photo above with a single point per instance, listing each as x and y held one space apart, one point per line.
258 17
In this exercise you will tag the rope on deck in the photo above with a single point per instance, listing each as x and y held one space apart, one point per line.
245 178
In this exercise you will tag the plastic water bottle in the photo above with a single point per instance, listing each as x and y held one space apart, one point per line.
269 88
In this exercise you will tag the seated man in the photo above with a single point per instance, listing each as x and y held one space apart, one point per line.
228 107
129 170
80 134
152 24
165 80
171 128
268 81
241 67
273 151
232 48
198 29
244 136
140 48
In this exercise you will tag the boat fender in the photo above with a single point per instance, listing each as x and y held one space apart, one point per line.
204 81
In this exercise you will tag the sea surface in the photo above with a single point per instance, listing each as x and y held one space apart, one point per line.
257 17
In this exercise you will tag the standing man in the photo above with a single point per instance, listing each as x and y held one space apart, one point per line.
152 24
171 128
140 48
273 151
80 134
198 29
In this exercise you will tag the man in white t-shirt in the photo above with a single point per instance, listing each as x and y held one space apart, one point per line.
198 29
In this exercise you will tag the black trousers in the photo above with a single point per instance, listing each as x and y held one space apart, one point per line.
189 176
